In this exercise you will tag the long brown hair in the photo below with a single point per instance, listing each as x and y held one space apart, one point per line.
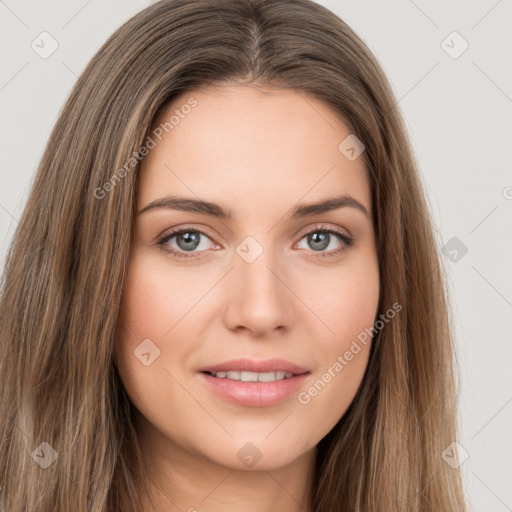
65 269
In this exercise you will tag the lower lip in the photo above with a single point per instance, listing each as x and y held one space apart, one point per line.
254 394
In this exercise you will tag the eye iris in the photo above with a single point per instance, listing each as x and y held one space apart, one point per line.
319 240
187 240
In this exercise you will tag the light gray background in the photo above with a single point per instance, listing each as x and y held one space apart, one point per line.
458 114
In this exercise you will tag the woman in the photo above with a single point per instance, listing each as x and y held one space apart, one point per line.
225 292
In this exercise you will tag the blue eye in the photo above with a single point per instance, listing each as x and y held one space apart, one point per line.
186 240
321 239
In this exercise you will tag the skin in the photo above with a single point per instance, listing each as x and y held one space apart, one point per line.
257 153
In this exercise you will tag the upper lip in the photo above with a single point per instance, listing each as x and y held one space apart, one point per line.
251 365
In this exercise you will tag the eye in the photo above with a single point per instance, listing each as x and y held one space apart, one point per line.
184 240
320 239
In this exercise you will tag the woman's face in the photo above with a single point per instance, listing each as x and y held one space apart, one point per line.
260 285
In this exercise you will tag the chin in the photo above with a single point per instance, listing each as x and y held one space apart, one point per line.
258 454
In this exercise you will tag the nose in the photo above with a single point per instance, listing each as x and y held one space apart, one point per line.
258 298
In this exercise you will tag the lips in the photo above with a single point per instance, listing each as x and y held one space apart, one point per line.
254 383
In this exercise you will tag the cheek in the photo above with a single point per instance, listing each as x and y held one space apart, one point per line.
146 313
349 308
151 307
345 300
157 297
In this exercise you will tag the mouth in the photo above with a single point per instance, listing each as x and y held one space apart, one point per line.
252 376
254 383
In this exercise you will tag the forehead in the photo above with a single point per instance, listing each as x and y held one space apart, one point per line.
252 147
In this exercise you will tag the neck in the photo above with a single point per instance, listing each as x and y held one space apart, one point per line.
183 480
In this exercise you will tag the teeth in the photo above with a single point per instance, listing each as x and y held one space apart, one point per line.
267 377
248 377
253 376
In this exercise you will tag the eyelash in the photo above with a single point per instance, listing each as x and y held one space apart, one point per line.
162 241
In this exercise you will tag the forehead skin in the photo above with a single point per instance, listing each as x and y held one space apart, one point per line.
264 160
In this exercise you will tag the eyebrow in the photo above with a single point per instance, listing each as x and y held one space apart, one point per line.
207 208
